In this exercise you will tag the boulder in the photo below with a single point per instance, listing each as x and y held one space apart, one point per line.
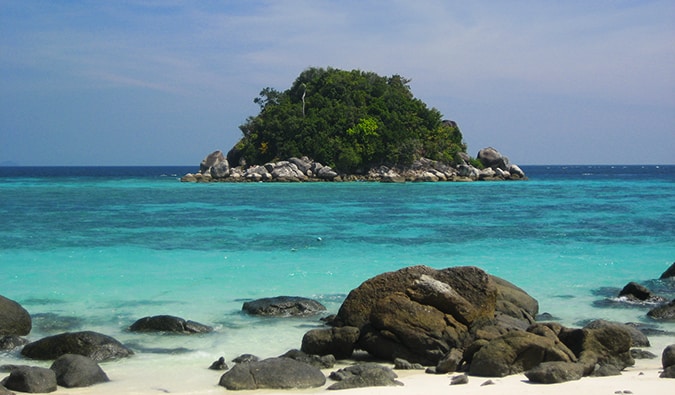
638 339
664 312
419 313
243 358
272 373
14 319
490 157
221 169
668 356
211 160
636 292
31 379
450 362
364 375
555 372
94 345
326 173
219 364
77 371
669 273
339 342
303 164
608 344
668 373
5 391
168 323
11 342
516 171
515 302
319 361
517 352
283 306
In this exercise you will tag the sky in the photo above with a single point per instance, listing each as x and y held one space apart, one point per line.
165 82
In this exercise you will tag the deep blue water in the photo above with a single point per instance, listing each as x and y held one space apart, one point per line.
96 248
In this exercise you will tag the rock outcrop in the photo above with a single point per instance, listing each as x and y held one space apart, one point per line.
14 319
217 167
169 324
669 273
94 345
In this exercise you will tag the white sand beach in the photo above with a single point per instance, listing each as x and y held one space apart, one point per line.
141 376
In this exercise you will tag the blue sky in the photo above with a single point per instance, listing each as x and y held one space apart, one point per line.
165 82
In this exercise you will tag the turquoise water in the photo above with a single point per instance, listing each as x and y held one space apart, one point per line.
96 249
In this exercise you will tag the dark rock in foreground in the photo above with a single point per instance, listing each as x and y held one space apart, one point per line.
668 356
336 341
219 364
272 373
516 352
31 379
94 345
364 375
283 306
168 323
77 371
555 372
14 319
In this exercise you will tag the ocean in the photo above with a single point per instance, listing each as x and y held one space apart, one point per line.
96 248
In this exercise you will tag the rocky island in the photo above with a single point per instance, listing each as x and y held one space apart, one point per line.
336 125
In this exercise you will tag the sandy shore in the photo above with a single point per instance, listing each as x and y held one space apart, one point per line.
146 376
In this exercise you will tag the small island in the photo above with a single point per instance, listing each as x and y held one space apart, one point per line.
337 125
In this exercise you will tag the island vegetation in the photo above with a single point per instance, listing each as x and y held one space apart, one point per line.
349 120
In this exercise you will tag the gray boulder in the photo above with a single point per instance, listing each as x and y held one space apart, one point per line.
668 373
364 375
283 306
339 342
272 373
211 160
326 173
668 356
319 361
94 345
490 157
14 319
77 371
555 372
665 312
31 379
221 169
168 323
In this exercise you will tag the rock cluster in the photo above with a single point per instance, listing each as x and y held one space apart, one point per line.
462 319
215 167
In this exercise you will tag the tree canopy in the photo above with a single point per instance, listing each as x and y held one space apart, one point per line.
351 120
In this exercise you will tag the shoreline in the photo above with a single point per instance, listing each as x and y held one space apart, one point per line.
147 375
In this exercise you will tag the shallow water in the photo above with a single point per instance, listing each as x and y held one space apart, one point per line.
98 248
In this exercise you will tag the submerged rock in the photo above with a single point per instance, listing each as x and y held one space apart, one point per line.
94 345
283 306
168 323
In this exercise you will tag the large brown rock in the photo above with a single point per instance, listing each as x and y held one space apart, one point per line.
605 345
517 352
419 313
14 319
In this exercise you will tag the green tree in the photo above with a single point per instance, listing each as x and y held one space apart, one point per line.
351 120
